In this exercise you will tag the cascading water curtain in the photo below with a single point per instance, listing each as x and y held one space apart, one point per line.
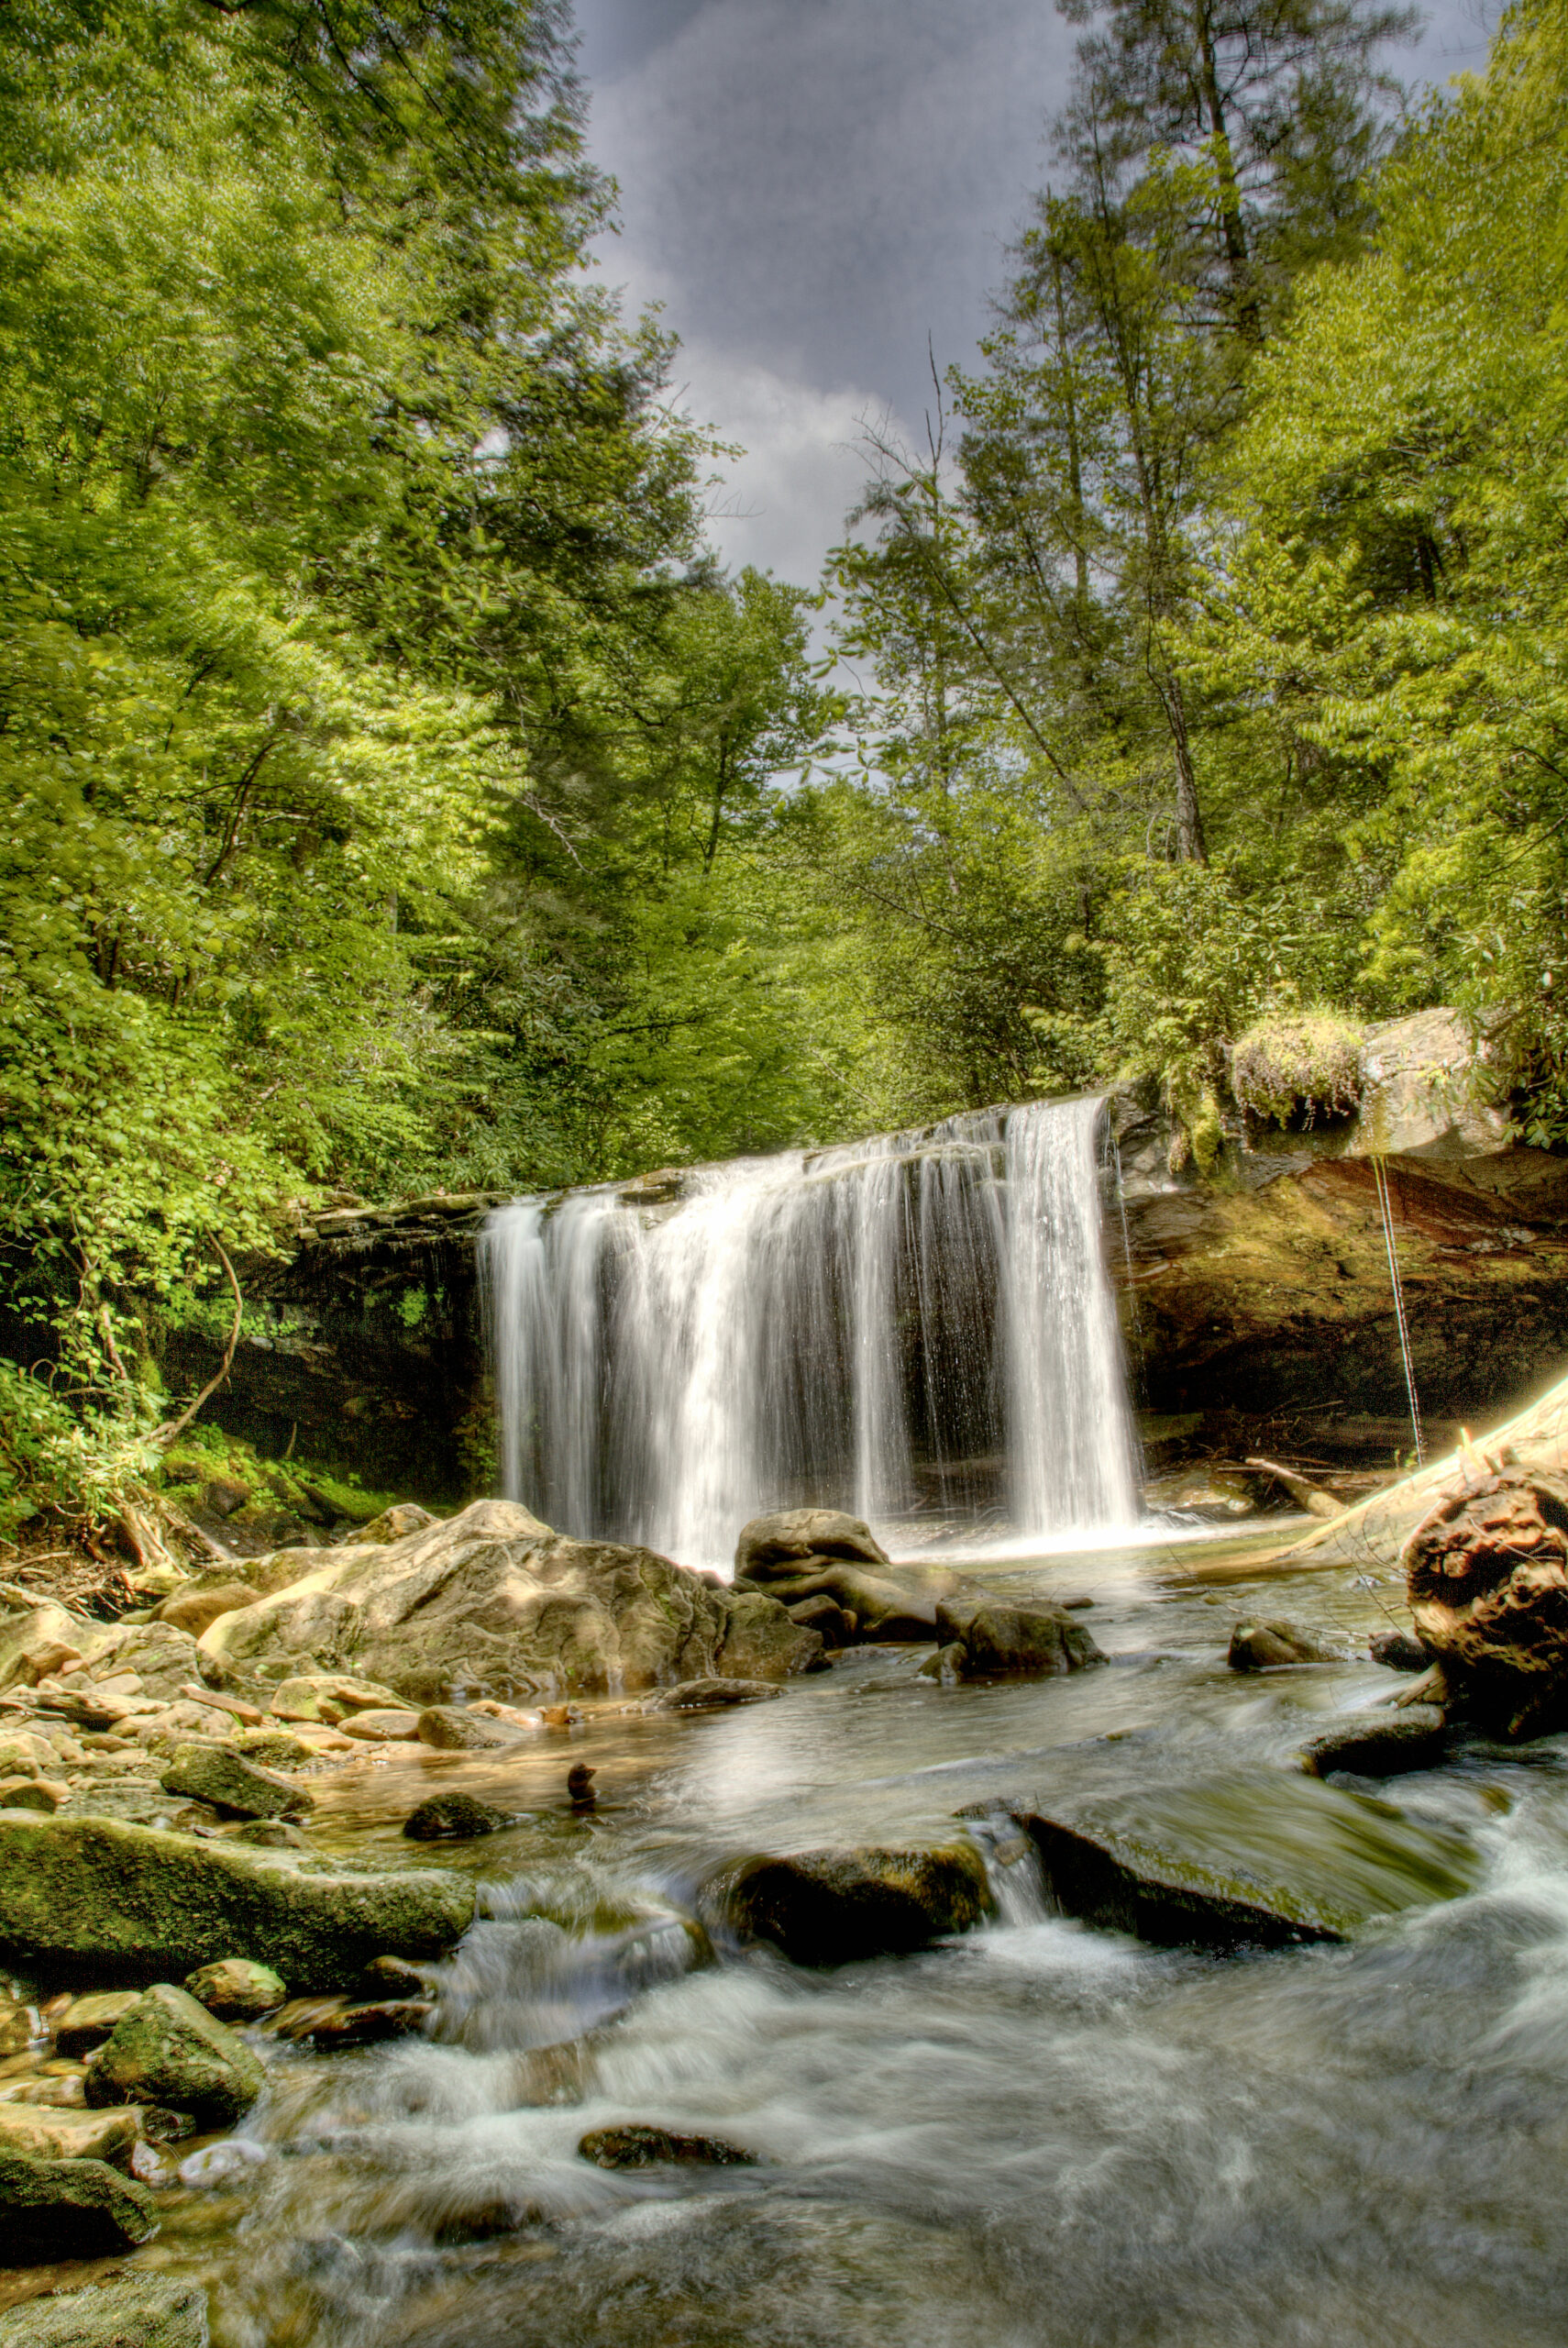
1071 1447
854 1327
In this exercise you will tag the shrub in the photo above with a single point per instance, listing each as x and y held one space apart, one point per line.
1297 1063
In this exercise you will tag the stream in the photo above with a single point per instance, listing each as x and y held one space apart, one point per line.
1035 2134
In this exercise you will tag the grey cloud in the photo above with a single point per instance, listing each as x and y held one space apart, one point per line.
813 187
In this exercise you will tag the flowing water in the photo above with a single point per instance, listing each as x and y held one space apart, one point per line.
1038 2133
917 1320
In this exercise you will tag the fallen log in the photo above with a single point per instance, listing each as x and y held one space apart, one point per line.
1311 1497
1373 1531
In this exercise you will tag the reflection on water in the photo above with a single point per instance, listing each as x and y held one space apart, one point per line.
1037 2135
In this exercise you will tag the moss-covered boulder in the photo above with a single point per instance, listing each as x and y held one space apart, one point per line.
169 2050
821 1908
1262 1859
92 1896
72 2208
134 2311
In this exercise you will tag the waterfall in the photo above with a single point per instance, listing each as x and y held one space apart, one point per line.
917 1325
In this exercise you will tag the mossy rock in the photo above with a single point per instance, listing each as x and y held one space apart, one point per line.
89 1896
136 2311
83 2208
170 2051
1262 1859
218 1774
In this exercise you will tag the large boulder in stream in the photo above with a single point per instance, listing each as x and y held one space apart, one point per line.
1261 1860
493 1598
806 1556
833 1907
89 1896
1486 1578
796 1541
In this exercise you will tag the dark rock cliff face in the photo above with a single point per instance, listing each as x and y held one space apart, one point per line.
362 1352
1264 1295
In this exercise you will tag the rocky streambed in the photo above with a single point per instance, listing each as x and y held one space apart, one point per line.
1170 1989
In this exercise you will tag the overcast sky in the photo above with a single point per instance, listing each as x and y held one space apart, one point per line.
814 188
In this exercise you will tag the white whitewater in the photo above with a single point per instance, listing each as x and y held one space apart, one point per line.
916 1324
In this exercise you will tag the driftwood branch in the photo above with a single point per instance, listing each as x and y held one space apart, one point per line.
1311 1497
164 1436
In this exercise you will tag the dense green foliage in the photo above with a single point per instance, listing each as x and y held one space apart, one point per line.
371 721
1219 648
396 793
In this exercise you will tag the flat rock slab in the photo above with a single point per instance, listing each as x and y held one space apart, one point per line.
87 2022
43 2135
710 1695
137 2312
1262 1859
218 1774
90 1894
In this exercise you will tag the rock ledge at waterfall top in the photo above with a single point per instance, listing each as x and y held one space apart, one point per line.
493 1600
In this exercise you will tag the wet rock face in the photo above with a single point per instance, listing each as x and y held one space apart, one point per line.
169 2050
71 2209
89 1896
236 1990
1486 1578
136 2311
866 1605
825 1907
493 1597
1242 1861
